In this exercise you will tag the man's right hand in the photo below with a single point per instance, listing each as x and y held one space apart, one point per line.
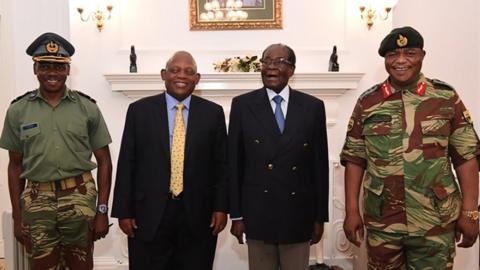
21 232
353 227
238 229
128 226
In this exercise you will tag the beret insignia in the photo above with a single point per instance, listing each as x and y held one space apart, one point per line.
402 41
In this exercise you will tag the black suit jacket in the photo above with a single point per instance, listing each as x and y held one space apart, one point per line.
143 173
278 182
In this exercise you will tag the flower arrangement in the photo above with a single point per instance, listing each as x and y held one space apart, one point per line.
238 64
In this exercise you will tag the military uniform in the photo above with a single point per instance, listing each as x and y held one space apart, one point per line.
407 140
56 142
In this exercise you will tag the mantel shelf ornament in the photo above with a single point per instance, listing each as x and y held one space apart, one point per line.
238 64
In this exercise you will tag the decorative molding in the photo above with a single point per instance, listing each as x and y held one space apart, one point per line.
109 263
228 85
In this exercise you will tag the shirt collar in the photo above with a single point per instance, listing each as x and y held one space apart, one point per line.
418 87
285 93
67 94
172 102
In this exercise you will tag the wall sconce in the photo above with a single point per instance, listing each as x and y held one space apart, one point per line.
98 15
374 9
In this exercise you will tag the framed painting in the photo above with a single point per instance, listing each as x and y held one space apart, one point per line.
235 14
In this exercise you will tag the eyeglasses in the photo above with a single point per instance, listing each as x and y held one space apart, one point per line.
276 62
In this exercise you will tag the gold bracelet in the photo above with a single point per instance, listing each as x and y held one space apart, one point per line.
472 214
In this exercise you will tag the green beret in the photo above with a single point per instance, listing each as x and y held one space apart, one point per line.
404 37
50 47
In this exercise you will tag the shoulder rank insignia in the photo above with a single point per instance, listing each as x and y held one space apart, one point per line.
22 96
440 84
421 87
386 90
350 124
369 91
86 96
467 116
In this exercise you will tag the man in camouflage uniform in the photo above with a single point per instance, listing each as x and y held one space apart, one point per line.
50 134
406 133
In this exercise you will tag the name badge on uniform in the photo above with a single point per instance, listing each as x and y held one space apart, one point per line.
29 126
378 118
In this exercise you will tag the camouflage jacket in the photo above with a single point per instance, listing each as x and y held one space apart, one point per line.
407 140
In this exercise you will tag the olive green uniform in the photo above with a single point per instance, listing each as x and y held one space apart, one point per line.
56 143
407 140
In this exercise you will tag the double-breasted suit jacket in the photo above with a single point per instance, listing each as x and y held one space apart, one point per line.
143 173
278 182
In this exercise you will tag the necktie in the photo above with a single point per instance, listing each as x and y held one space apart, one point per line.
279 113
177 152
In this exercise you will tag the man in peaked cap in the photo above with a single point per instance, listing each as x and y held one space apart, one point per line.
50 134
404 135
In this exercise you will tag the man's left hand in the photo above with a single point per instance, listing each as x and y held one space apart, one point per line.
101 226
218 223
467 230
317 233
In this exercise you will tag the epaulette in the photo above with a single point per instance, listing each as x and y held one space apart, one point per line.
369 91
22 96
87 96
441 84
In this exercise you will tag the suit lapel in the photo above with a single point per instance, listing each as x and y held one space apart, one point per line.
192 126
161 118
295 114
262 110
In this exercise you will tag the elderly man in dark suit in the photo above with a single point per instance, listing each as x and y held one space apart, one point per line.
278 164
170 192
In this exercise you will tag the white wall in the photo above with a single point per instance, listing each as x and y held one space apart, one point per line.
159 27
7 89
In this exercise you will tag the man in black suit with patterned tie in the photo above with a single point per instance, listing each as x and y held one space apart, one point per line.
170 191
278 165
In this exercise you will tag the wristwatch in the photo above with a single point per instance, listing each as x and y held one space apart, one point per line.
472 214
103 209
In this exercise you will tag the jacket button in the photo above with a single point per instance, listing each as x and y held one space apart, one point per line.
293 193
305 144
256 141
294 168
270 166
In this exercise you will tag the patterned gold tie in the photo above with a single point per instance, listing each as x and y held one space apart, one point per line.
177 152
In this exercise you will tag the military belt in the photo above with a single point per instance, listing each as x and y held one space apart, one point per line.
62 184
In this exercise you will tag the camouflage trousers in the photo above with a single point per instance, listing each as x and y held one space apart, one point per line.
394 251
60 225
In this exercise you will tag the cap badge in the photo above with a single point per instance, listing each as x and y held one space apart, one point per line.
52 47
402 41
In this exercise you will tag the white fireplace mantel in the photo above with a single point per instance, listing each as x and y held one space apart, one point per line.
228 85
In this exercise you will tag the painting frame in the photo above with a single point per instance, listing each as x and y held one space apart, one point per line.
269 16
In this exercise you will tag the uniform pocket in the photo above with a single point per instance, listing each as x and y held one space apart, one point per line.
447 202
377 136
79 137
373 196
29 130
435 138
